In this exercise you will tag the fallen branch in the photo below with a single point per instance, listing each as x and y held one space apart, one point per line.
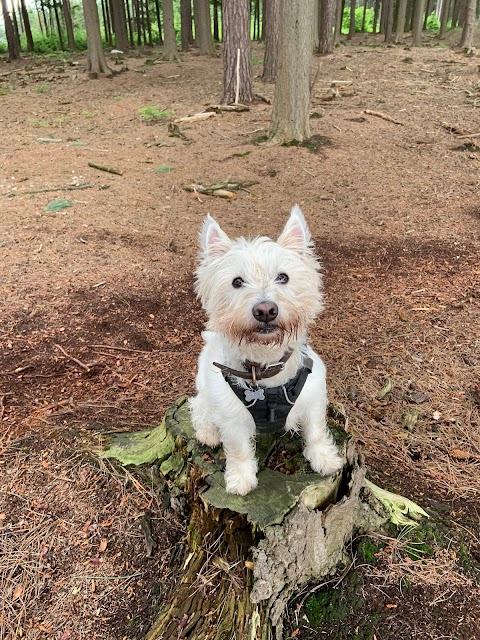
102 167
228 107
75 187
383 116
174 132
86 367
221 189
196 117
469 135
2 406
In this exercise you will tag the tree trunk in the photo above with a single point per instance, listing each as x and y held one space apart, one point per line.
316 25
237 66
445 15
402 10
67 16
149 24
327 19
466 42
376 11
216 32
120 25
170 50
59 26
338 22
418 23
138 20
271 28
457 8
26 23
388 23
364 16
131 35
428 11
159 21
96 62
186 24
106 22
257 550
203 27
256 20
351 30
291 104
12 39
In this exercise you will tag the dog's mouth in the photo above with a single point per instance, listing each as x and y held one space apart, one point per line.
267 329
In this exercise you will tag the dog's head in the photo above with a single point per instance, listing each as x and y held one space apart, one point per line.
259 291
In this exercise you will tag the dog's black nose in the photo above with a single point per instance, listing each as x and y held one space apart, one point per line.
265 311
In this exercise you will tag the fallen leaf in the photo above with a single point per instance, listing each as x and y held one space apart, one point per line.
17 592
66 634
93 586
249 564
385 389
436 415
458 454
103 545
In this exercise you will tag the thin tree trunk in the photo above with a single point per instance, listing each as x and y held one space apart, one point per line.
159 22
186 24
327 18
291 104
39 19
45 21
466 42
59 26
237 66
388 21
15 26
364 16
428 11
376 11
351 30
106 23
402 10
149 24
271 27
216 33
316 25
12 39
338 22
418 23
203 28
457 7
120 25
170 50
96 62
131 35
28 28
445 15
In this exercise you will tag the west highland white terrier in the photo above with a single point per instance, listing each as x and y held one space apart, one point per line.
256 372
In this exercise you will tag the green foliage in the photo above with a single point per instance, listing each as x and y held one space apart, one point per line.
43 88
163 169
151 114
4 91
367 550
358 20
58 205
433 23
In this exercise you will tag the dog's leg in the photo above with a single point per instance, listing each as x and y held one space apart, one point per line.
241 465
202 412
320 449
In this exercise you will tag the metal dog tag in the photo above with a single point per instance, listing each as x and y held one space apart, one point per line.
254 394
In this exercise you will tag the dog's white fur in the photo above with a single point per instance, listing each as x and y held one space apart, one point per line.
234 336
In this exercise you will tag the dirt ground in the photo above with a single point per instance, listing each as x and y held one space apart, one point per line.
100 329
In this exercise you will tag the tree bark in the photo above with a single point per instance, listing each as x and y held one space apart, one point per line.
96 62
59 26
270 29
466 42
457 9
120 25
351 30
216 31
327 19
237 66
388 23
376 11
338 22
67 15
170 50
418 23
186 24
444 17
159 22
364 16
203 27
402 10
291 104
428 11
26 24
12 39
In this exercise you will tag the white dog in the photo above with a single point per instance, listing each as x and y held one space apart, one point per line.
256 371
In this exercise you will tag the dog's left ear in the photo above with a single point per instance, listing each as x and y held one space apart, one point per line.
296 235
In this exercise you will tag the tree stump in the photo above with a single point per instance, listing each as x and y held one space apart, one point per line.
246 556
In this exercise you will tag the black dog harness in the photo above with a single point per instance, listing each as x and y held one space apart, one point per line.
269 406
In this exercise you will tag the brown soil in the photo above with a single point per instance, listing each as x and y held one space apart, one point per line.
100 329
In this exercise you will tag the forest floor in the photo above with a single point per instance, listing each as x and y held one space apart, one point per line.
100 329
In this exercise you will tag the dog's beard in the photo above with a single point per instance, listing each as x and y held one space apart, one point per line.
271 333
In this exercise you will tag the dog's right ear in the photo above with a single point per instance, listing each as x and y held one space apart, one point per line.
212 238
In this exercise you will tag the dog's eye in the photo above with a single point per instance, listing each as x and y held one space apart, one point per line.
282 278
237 283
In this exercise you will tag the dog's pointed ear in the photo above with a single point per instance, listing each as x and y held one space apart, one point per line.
212 238
296 235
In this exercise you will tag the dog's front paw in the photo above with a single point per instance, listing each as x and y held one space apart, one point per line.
323 458
207 435
241 478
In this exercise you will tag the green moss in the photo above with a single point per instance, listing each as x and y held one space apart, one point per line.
325 607
367 550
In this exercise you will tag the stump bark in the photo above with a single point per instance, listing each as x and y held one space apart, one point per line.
246 556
